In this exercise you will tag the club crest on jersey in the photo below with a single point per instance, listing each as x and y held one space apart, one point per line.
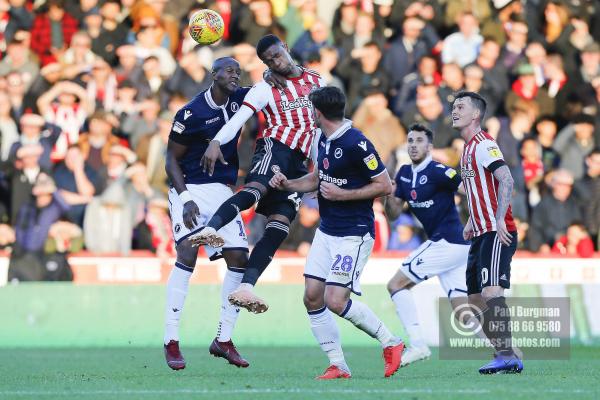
371 162
186 114
275 168
325 163
235 106
413 194
423 179
304 90
338 153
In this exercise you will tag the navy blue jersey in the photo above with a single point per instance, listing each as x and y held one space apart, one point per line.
350 161
429 190
195 125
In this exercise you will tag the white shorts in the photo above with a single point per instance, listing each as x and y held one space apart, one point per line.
338 260
208 197
446 260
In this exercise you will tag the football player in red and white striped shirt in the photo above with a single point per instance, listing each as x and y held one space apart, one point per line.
488 184
283 146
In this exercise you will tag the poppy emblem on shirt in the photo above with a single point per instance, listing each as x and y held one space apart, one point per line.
325 163
413 194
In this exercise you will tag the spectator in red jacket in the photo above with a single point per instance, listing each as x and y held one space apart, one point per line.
52 31
576 243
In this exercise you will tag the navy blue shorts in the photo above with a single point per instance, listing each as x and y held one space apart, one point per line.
489 262
270 157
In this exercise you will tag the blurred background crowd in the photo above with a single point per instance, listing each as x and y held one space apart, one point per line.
88 90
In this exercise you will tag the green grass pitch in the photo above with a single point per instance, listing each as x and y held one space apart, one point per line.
279 373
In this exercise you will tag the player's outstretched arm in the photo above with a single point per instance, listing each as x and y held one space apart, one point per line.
379 186
175 152
304 184
393 204
505 190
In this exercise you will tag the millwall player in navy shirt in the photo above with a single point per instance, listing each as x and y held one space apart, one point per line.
195 196
428 188
348 176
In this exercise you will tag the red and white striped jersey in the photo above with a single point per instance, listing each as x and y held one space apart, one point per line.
481 185
288 112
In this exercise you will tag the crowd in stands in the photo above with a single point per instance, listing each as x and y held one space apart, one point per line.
88 90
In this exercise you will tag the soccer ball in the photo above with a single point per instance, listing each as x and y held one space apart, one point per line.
206 26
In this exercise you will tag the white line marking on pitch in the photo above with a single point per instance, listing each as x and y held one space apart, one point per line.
273 391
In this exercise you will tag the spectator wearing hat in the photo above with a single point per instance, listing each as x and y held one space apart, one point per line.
22 174
151 152
34 222
77 181
67 106
555 212
18 59
35 218
574 142
52 31
526 88
112 34
462 47
588 191
379 124
34 130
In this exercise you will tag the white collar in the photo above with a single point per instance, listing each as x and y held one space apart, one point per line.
340 131
211 103
422 165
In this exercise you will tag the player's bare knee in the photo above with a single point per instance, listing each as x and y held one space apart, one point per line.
490 292
186 254
236 258
337 304
313 298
